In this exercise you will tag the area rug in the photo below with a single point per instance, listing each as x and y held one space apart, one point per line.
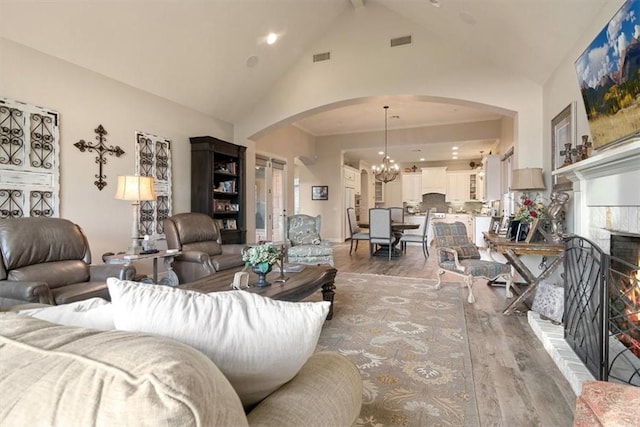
410 343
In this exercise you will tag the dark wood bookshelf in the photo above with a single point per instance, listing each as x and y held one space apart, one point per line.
218 185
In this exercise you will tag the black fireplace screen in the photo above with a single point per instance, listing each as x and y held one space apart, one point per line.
601 318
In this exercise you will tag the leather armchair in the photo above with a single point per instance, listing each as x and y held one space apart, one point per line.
48 261
198 237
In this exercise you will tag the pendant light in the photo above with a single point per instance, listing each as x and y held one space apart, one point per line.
385 172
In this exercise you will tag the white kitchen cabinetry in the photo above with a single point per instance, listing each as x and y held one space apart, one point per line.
393 194
458 186
491 178
434 180
481 224
378 192
412 187
350 177
466 219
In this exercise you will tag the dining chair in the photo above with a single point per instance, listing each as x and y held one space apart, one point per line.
356 235
417 238
458 256
397 215
380 232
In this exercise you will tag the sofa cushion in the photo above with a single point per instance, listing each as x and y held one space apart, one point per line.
56 375
258 343
94 313
55 274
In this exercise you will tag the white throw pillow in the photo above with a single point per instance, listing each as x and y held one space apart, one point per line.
93 313
257 342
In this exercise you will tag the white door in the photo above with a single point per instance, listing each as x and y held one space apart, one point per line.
269 198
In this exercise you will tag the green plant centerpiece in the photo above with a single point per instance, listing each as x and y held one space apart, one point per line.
261 258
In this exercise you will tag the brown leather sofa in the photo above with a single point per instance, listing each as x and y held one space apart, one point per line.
198 237
48 260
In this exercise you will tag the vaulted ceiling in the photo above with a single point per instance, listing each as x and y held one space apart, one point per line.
212 55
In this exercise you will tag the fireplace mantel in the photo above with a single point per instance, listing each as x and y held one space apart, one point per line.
615 161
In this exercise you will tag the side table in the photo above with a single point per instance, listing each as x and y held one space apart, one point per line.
171 278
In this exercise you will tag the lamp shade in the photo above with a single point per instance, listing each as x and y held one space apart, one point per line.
133 187
528 179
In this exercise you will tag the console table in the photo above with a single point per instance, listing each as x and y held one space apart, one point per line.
512 252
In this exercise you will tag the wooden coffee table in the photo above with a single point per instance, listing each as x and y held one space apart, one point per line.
299 285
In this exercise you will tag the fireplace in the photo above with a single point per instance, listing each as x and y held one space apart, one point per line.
623 299
601 318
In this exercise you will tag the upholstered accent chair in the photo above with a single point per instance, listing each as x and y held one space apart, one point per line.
397 214
417 238
458 256
356 235
198 237
303 242
48 261
380 231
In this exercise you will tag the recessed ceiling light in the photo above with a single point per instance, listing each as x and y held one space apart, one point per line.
455 147
455 157
381 152
392 161
272 38
422 159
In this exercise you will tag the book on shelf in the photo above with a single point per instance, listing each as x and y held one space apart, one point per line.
221 205
227 167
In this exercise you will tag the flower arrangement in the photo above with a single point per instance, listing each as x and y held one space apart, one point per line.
261 256
530 210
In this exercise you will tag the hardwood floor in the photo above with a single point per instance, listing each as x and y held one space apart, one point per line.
516 381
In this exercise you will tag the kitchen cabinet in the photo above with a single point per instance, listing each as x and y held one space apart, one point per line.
458 186
412 187
350 177
434 180
492 184
393 194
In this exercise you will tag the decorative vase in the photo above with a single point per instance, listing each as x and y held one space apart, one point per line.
262 274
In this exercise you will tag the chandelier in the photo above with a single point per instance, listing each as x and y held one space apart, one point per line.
385 171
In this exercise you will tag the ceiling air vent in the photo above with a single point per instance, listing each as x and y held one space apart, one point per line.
322 57
399 41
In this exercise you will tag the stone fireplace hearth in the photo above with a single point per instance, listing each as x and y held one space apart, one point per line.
605 200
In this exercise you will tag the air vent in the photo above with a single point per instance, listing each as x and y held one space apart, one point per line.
322 57
399 41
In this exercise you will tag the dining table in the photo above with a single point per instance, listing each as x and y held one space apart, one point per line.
397 228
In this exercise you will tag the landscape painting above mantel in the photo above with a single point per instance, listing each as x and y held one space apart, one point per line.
609 77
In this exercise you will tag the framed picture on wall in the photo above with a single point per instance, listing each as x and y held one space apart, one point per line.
563 139
320 192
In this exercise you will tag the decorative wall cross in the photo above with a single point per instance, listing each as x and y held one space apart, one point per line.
567 154
101 149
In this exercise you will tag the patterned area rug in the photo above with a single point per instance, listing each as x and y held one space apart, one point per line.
409 341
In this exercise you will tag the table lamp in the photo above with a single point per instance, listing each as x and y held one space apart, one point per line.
527 179
135 188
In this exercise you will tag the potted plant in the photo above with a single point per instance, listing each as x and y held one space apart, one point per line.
261 258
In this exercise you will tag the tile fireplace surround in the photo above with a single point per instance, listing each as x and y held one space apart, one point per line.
605 199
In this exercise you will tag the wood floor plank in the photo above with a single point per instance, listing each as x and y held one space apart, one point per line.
516 381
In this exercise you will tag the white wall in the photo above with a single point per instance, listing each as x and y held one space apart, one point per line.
363 66
560 90
84 100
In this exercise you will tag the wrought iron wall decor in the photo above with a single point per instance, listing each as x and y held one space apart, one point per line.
153 158
29 160
102 149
